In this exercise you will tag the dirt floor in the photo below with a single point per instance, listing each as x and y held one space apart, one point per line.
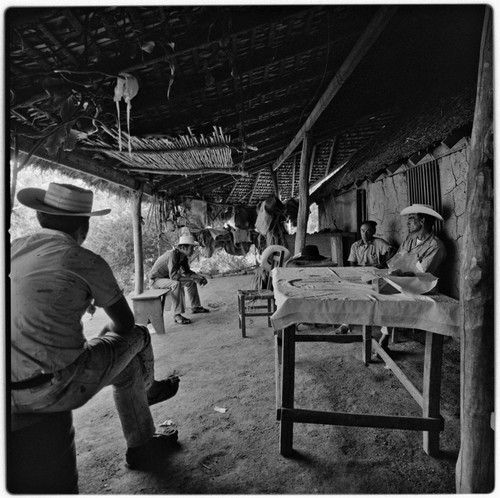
237 451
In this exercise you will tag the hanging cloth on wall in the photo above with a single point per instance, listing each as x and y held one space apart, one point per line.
126 88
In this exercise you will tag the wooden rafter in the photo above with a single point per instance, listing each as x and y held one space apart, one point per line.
187 172
366 40
57 43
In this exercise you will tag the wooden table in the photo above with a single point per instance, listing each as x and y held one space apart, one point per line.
340 295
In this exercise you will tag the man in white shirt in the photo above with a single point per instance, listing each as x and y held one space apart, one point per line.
421 242
370 250
53 367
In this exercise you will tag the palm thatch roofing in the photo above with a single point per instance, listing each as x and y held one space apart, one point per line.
218 93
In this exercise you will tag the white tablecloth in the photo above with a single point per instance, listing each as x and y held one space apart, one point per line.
340 295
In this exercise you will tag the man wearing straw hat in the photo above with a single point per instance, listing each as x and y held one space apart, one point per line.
421 240
172 271
422 243
53 367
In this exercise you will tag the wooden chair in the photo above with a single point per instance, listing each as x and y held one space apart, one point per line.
248 298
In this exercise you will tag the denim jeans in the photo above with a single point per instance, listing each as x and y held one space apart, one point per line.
177 293
125 362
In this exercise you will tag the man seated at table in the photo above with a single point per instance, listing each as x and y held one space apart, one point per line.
172 271
370 250
422 243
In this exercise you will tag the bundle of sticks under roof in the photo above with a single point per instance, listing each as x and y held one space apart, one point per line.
186 152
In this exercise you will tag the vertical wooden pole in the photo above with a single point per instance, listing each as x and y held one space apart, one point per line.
305 164
274 176
15 171
330 156
475 470
137 234
311 167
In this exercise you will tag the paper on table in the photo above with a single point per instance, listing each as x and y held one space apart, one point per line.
413 286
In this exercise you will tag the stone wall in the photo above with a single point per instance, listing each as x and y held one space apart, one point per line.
387 196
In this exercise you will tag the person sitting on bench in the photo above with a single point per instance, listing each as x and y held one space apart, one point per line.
53 367
172 271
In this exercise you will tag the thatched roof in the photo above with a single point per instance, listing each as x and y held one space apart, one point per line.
247 77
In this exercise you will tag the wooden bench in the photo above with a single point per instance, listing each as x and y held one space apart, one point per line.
150 305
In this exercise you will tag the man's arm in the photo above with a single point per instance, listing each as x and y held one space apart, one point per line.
122 318
188 274
386 254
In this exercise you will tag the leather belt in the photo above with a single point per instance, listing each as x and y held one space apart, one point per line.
33 382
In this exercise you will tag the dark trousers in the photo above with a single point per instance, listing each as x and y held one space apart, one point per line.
41 458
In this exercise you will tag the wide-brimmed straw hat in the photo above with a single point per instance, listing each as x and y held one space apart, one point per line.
311 253
421 208
187 240
61 199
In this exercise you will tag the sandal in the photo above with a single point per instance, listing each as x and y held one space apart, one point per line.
164 389
200 309
182 320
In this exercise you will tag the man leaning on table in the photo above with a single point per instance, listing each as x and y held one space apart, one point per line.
422 243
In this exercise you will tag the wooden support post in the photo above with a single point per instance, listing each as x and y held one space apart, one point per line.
257 178
15 171
287 388
303 214
367 344
276 186
330 156
311 167
358 51
137 234
432 388
475 470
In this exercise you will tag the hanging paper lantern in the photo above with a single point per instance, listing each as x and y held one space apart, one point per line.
126 88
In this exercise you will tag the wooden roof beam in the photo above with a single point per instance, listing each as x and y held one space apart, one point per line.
366 40
188 172
83 165
58 45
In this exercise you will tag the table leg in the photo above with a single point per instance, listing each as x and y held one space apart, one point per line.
287 388
432 388
278 341
367 344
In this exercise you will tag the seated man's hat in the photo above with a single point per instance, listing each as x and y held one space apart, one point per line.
61 199
187 240
421 208
309 253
